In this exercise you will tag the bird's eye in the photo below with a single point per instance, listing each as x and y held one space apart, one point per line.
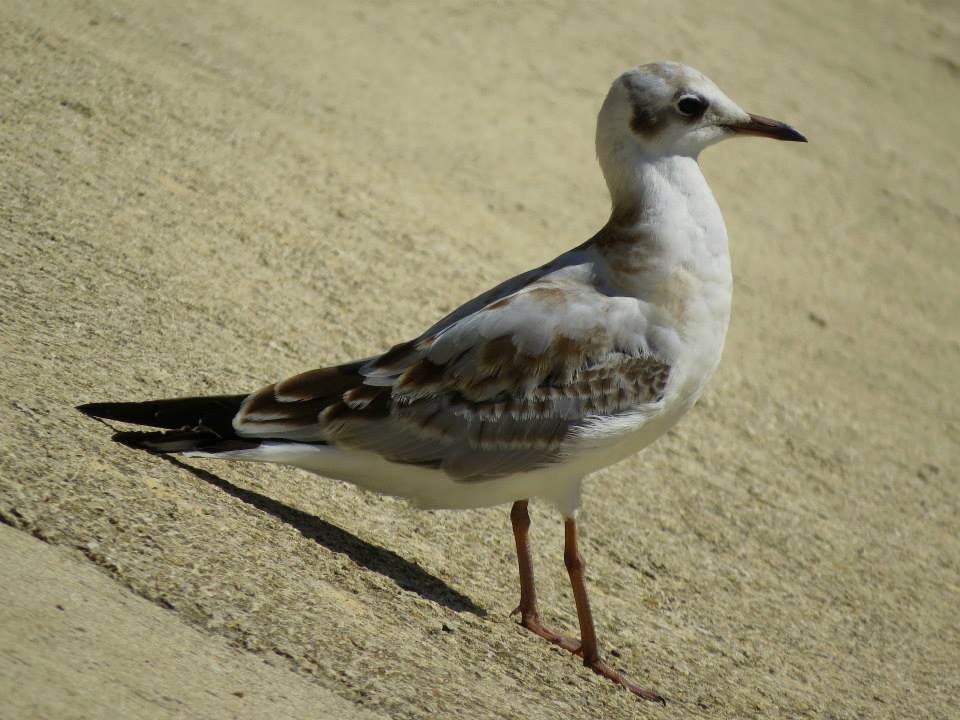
691 106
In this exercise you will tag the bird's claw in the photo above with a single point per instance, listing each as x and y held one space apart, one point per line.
604 669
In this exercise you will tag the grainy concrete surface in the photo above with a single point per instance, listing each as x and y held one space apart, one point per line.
77 644
202 197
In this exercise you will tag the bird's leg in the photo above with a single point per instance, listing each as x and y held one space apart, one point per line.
589 649
527 609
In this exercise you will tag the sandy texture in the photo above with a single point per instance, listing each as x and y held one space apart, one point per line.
102 652
204 197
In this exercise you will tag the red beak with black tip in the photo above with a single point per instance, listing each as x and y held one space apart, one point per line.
765 127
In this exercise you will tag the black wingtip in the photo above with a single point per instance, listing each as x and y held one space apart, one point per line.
166 441
138 440
95 410
213 412
124 412
163 442
193 423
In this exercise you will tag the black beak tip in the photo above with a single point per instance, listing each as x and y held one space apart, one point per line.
791 135
766 127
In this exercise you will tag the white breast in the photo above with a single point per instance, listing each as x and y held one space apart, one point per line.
681 271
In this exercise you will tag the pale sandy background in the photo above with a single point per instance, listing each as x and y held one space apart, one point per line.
206 196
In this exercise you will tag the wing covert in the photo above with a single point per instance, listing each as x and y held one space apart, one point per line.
497 391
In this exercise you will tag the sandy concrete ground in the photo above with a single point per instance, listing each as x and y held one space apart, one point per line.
204 197
96 650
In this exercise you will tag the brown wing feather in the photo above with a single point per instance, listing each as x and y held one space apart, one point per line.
291 409
497 392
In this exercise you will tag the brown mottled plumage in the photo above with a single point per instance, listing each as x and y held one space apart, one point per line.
481 409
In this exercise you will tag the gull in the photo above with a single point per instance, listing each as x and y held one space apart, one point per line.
531 386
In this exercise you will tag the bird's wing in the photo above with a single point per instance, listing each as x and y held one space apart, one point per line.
494 391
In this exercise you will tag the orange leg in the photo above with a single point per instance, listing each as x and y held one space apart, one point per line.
527 609
589 648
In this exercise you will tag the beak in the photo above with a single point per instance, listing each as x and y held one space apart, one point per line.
765 127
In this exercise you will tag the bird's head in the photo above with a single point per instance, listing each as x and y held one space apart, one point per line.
670 109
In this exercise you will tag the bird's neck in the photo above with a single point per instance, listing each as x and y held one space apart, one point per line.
659 191
666 244
663 209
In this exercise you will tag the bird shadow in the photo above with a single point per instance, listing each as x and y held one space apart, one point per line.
407 575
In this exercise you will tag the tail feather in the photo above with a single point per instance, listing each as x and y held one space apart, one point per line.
193 423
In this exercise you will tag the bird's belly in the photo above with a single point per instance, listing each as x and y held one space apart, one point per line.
612 440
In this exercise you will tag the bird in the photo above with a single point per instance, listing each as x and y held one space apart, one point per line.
528 388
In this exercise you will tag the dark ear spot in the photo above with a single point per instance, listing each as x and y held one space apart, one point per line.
643 121
647 123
